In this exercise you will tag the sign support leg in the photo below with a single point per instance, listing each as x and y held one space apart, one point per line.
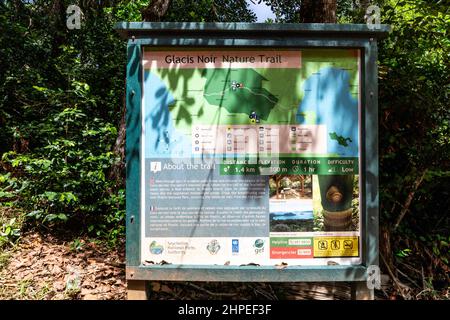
136 290
360 291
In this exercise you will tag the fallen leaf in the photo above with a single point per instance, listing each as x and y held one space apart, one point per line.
282 265
90 297
56 270
59 285
166 289
104 288
156 286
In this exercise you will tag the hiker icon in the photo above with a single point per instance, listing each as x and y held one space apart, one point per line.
323 245
335 245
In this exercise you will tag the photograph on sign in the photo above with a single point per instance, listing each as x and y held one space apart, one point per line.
250 156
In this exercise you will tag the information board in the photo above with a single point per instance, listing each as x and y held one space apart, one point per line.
250 156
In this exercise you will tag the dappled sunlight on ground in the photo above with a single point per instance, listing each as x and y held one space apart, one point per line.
43 267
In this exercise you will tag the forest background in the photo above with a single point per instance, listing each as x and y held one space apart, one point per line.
62 125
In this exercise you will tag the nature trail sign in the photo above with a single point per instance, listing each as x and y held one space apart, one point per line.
252 152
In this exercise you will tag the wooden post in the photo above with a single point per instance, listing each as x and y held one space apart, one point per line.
360 291
136 290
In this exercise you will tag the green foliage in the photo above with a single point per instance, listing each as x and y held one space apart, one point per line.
403 253
414 135
9 232
11 221
414 117
61 93
127 10
76 245
188 11
61 100
209 11
286 11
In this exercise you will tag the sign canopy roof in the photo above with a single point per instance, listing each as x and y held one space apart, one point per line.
248 30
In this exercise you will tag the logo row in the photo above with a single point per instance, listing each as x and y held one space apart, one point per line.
214 246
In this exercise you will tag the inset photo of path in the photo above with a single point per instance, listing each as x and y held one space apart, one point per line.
290 187
291 203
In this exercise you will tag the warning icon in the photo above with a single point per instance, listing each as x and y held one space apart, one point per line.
335 245
348 244
323 245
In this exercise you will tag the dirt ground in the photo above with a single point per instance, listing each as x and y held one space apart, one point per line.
43 267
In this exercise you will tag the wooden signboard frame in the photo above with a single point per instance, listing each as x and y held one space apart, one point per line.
143 34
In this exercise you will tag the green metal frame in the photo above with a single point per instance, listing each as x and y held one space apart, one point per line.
140 34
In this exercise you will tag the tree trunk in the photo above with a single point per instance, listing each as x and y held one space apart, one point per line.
155 10
385 247
317 11
302 186
364 4
57 12
277 182
117 172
